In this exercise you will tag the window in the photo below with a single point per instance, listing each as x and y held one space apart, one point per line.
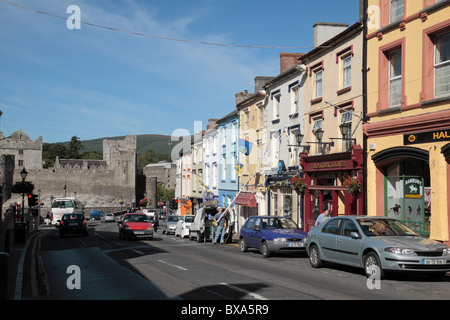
233 165
294 100
442 65
332 226
276 106
348 227
274 148
347 71
396 10
247 119
346 129
318 84
261 116
395 78
318 126
224 167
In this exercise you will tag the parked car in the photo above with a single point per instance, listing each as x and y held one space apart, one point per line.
183 225
107 217
135 225
96 214
271 234
170 223
73 223
376 244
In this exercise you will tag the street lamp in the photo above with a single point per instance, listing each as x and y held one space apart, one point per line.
23 174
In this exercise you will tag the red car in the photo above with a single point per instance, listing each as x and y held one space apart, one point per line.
135 225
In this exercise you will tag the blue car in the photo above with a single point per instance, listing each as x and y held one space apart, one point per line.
272 234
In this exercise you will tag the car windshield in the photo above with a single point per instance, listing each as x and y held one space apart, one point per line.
136 218
173 218
384 227
189 219
278 223
62 204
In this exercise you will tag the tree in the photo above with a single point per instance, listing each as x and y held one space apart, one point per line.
73 151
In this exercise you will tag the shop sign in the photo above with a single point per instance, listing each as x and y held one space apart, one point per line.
428 136
329 164
413 186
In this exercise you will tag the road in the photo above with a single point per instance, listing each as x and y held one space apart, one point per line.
168 267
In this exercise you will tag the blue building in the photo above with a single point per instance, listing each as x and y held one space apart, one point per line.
228 183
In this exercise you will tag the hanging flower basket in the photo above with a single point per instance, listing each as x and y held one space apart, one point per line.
298 183
145 202
353 185
24 187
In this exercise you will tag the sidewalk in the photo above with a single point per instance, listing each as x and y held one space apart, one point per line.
18 271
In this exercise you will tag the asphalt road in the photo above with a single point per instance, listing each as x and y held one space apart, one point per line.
167 267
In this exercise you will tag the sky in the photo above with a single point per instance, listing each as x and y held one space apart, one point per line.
103 79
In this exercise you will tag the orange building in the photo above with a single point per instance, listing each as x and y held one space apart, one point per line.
408 104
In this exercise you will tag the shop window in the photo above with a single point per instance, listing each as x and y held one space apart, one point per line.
407 184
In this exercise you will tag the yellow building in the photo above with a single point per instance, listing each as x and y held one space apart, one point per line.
252 136
408 104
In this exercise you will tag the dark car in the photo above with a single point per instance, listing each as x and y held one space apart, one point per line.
135 225
73 223
272 234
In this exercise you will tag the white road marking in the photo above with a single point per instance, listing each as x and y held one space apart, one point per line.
172 265
248 293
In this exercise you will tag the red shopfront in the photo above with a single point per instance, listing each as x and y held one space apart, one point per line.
324 175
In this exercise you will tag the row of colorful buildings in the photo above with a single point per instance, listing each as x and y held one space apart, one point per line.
358 125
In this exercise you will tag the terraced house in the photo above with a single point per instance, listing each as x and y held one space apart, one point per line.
408 96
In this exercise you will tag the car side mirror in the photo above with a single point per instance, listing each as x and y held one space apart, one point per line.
354 235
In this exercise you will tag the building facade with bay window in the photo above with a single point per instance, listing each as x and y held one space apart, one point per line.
408 104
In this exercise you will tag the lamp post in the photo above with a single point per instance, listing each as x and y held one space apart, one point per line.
23 175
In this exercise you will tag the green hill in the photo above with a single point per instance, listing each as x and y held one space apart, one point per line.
159 144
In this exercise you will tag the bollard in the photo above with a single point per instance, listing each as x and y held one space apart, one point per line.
4 270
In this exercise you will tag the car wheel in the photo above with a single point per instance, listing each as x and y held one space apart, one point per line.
314 257
265 250
372 266
243 245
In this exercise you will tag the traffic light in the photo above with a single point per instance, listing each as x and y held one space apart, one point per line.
32 200
173 204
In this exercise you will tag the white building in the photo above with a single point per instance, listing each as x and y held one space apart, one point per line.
211 163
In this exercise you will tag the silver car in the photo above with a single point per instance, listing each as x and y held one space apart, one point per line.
170 223
376 244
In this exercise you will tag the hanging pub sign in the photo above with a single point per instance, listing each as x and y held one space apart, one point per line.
427 136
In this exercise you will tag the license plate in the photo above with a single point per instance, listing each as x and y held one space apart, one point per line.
433 261
73 224
139 232
295 245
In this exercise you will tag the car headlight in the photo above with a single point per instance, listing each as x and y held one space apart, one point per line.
446 252
405 251
279 240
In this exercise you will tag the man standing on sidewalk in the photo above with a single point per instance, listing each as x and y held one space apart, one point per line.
219 218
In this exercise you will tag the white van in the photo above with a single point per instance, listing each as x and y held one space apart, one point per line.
61 206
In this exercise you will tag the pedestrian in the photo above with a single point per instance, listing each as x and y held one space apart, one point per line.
323 216
219 218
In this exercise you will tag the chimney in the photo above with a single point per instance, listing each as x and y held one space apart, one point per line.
260 81
324 31
241 96
288 60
